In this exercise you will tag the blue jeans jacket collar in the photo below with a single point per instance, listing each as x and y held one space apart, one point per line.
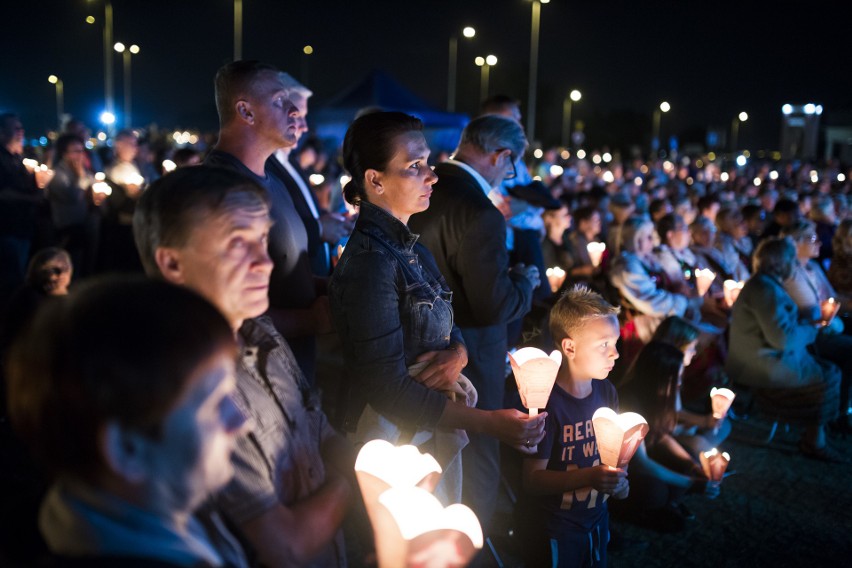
379 223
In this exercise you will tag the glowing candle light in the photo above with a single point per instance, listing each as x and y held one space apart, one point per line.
703 278
829 309
618 435
714 464
731 290
535 372
555 277
596 251
721 400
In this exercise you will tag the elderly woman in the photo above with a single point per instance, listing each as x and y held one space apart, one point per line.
809 287
644 287
769 351
391 307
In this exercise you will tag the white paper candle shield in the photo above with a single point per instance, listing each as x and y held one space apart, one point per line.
410 526
829 309
618 435
535 372
731 290
596 251
555 277
721 400
714 464
703 278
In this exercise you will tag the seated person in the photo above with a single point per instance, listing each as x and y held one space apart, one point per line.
840 271
124 391
207 228
642 283
733 242
662 471
703 367
768 351
587 229
809 287
673 253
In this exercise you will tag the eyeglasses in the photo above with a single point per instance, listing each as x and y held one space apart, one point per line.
514 173
808 239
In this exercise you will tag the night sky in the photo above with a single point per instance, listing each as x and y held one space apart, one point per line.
710 60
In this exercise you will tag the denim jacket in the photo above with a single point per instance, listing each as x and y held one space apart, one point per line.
390 304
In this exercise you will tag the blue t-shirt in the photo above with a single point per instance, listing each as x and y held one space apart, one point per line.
569 443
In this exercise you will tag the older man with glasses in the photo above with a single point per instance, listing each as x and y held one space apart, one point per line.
467 235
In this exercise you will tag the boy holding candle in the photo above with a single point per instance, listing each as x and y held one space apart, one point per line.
565 485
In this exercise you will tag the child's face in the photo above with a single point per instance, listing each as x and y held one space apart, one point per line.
591 351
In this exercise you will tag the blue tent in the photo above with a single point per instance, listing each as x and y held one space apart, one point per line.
378 89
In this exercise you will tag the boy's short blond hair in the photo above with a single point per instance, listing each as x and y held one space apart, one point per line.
575 308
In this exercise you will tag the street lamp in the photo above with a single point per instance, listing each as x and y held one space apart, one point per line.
467 32
570 99
60 94
655 136
133 49
735 129
108 78
485 64
238 30
536 25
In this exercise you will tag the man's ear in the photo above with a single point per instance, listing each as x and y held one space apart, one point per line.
123 452
244 111
169 262
568 347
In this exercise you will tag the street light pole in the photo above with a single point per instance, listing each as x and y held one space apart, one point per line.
238 30
60 98
452 71
485 64
536 25
655 135
108 77
735 130
133 49
572 97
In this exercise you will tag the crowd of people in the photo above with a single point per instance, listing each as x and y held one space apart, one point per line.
192 358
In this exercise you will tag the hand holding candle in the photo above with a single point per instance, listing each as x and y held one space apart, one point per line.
714 464
704 277
535 372
731 290
556 277
828 309
596 251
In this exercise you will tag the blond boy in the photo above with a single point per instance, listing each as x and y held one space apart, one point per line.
565 484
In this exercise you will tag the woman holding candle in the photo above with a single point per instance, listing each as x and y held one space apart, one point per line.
769 351
817 300
391 307
662 470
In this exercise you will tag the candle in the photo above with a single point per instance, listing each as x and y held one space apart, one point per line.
102 188
714 464
556 277
829 309
618 435
721 400
703 278
30 164
535 372
596 251
731 290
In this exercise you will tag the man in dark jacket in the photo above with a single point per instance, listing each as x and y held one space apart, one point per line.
467 235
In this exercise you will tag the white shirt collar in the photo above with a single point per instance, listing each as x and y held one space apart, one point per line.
486 189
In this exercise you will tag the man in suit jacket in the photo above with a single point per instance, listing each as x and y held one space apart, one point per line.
467 235
325 229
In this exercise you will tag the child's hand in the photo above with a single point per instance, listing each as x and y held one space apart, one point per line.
622 490
606 479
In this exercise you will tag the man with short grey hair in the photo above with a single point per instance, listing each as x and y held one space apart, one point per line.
467 235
